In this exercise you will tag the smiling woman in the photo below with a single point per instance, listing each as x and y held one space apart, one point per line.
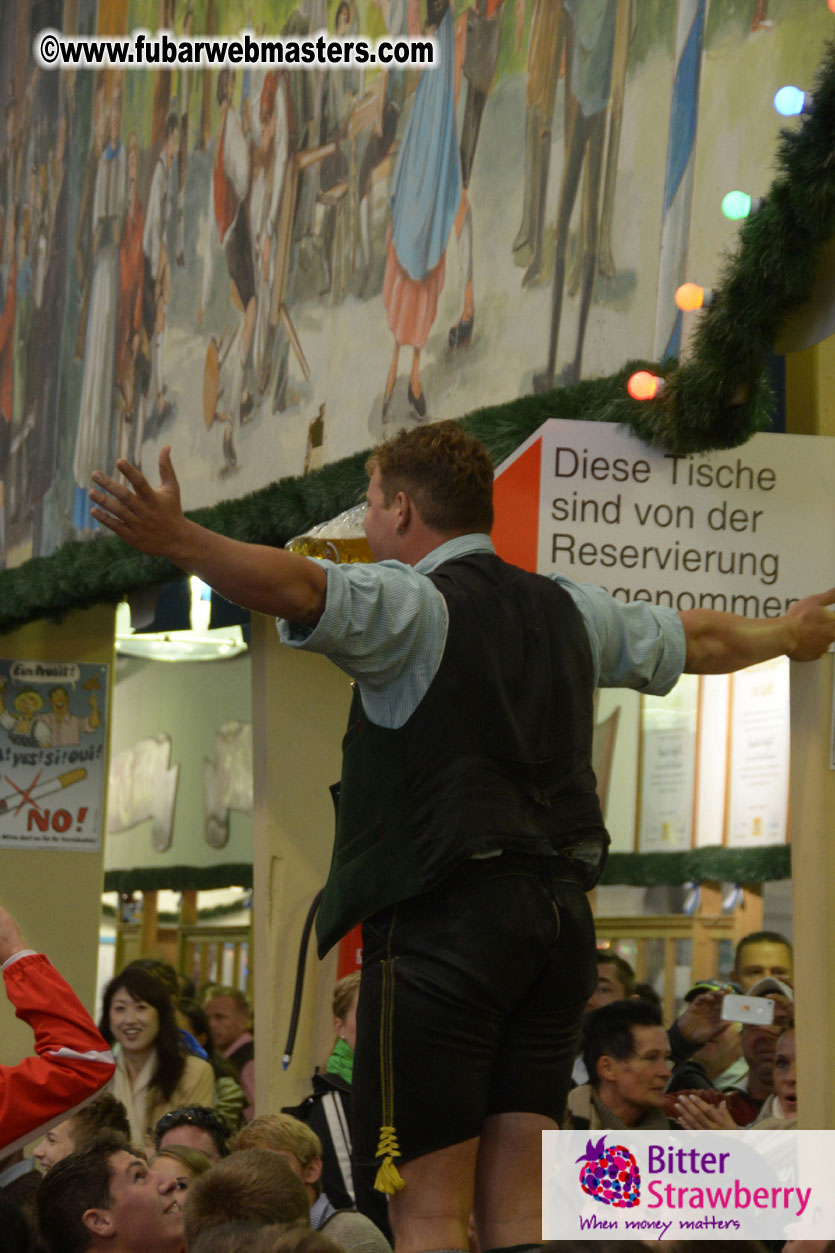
152 1074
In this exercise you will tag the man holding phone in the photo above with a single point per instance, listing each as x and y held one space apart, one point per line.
759 1047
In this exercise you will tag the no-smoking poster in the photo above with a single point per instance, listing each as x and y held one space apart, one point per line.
53 723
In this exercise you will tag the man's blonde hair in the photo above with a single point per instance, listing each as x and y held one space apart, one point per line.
280 1133
249 1186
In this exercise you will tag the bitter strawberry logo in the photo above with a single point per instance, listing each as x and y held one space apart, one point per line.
610 1175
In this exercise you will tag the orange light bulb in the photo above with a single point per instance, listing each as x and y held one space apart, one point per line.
644 386
690 296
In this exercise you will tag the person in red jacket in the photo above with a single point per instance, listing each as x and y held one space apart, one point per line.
71 1062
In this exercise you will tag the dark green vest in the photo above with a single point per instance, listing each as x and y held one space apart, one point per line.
497 755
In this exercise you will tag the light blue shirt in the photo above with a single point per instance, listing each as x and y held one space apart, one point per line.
385 624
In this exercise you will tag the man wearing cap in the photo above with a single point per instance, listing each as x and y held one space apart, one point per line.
718 1063
759 1047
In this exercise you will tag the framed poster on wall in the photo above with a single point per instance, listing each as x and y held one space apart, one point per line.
758 793
667 771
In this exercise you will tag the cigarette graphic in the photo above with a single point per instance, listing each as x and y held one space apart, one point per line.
46 788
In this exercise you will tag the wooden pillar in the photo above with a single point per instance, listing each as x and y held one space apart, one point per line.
299 711
188 907
813 890
810 409
150 923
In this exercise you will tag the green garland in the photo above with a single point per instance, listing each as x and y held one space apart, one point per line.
717 399
727 865
701 865
167 917
179 878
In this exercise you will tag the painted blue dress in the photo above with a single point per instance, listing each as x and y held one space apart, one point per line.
425 193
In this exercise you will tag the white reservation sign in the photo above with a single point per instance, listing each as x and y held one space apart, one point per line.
749 530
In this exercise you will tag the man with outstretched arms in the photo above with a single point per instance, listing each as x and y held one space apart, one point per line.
469 827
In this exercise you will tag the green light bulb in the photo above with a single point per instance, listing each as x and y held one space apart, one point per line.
736 205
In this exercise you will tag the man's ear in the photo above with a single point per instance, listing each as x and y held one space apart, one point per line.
606 1068
404 509
313 1170
99 1222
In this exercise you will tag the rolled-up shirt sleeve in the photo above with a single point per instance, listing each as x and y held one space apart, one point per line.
633 644
385 625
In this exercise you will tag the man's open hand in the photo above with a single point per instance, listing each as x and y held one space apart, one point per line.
149 519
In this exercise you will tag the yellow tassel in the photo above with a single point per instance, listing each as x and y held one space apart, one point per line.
388 1179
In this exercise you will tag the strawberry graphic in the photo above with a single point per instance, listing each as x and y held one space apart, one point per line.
610 1175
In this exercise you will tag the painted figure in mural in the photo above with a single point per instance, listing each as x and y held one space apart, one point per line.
337 101
425 194
545 50
391 89
266 204
95 427
483 34
157 282
132 364
7 325
84 225
12 162
228 213
597 47
25 305
47 327
187 78
308 17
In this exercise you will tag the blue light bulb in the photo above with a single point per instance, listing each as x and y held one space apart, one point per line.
789 101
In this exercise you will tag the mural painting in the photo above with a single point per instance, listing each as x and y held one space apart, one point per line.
250 263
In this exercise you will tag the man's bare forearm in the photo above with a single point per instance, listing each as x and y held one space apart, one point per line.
718 643
256 576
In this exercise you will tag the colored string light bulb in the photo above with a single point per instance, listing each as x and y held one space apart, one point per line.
738 204
645 386
831 5
790 101
691 296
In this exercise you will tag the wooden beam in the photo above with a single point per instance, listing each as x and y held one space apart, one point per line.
150 912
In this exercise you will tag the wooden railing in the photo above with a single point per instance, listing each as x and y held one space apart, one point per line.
216 954
657 945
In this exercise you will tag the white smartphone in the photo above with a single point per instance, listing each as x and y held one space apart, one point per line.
758 1010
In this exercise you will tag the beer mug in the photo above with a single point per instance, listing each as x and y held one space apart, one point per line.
341 539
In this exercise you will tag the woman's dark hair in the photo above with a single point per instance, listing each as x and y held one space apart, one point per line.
143 986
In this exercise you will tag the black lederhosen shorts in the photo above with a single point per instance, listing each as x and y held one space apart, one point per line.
471 1003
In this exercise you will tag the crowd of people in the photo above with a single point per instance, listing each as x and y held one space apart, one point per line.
145 1151
125 1134
469 831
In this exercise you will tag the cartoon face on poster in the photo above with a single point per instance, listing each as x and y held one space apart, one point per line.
53 719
